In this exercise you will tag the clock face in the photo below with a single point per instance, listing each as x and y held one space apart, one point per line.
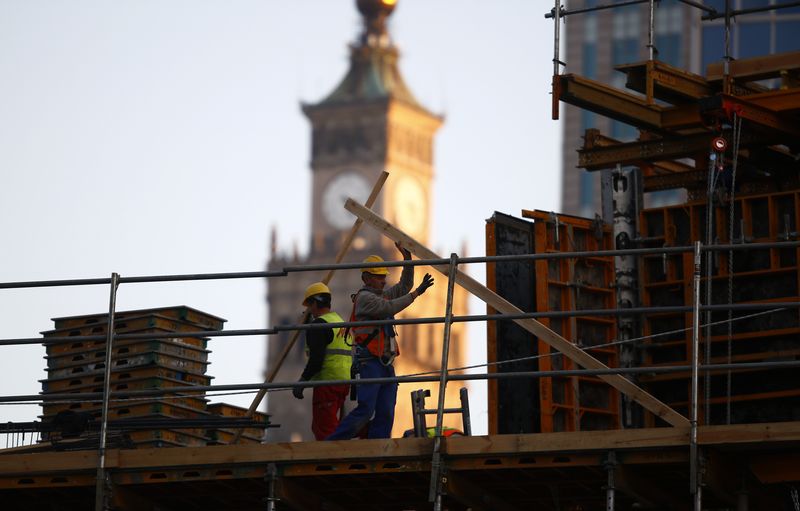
411 206
339 189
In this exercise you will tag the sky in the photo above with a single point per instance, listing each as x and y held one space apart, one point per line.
152 137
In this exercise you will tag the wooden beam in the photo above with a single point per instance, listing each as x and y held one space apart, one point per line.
215 455
749 433
470 493
503 306
571 441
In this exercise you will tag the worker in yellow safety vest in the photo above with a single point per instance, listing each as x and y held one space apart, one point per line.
330 356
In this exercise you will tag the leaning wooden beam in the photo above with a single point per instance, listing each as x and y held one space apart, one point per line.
503 306
286 349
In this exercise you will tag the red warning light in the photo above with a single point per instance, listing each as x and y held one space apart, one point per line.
719 144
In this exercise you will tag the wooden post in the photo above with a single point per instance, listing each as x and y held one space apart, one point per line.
286 349
503 306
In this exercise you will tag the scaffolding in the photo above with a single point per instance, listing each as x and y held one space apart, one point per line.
443 453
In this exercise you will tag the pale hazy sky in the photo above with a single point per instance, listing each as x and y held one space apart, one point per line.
149 137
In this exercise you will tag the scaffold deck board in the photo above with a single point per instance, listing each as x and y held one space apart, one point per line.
487 472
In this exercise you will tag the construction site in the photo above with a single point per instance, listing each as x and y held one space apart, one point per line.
642 359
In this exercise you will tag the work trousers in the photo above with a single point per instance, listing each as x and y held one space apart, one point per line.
326 405
375 402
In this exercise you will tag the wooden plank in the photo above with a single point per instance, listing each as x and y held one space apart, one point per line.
567 441
503 306
53 462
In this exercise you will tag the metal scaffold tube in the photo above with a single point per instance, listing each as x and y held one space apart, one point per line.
436 483
694 483
101 497
651 48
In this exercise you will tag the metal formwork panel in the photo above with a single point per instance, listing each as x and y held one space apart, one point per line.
551 404
576 403
758 276
514 403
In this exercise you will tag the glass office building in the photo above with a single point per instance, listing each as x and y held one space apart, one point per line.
597 41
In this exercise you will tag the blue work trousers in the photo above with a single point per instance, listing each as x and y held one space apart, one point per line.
375 401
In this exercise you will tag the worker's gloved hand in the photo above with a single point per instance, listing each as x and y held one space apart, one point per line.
406 253
298 391
427 281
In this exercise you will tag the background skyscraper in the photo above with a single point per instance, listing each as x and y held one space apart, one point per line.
599 40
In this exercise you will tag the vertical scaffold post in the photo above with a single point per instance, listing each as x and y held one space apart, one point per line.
466 420
651 29
271 476
694 473
101 500
610 466
435 494
556 56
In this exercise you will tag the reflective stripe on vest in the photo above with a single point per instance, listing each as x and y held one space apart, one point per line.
338 354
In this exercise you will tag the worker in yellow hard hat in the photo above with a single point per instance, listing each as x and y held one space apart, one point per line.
329 352
376 346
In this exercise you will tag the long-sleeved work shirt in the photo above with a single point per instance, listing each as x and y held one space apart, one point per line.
317 341
371 303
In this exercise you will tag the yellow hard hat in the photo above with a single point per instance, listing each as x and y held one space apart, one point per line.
380 270
315 289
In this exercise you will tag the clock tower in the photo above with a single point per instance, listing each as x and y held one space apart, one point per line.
369 123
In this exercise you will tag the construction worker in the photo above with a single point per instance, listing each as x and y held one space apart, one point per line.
330 356
376 347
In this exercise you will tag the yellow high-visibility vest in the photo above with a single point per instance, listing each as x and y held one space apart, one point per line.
338 354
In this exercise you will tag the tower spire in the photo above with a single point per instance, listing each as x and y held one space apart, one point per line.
374 14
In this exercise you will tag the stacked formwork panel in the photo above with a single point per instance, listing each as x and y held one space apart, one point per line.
755 276
177 361
572 403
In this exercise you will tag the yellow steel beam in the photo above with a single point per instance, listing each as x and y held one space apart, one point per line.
756 68
783 101
661 81
761 115
608 101
602 155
